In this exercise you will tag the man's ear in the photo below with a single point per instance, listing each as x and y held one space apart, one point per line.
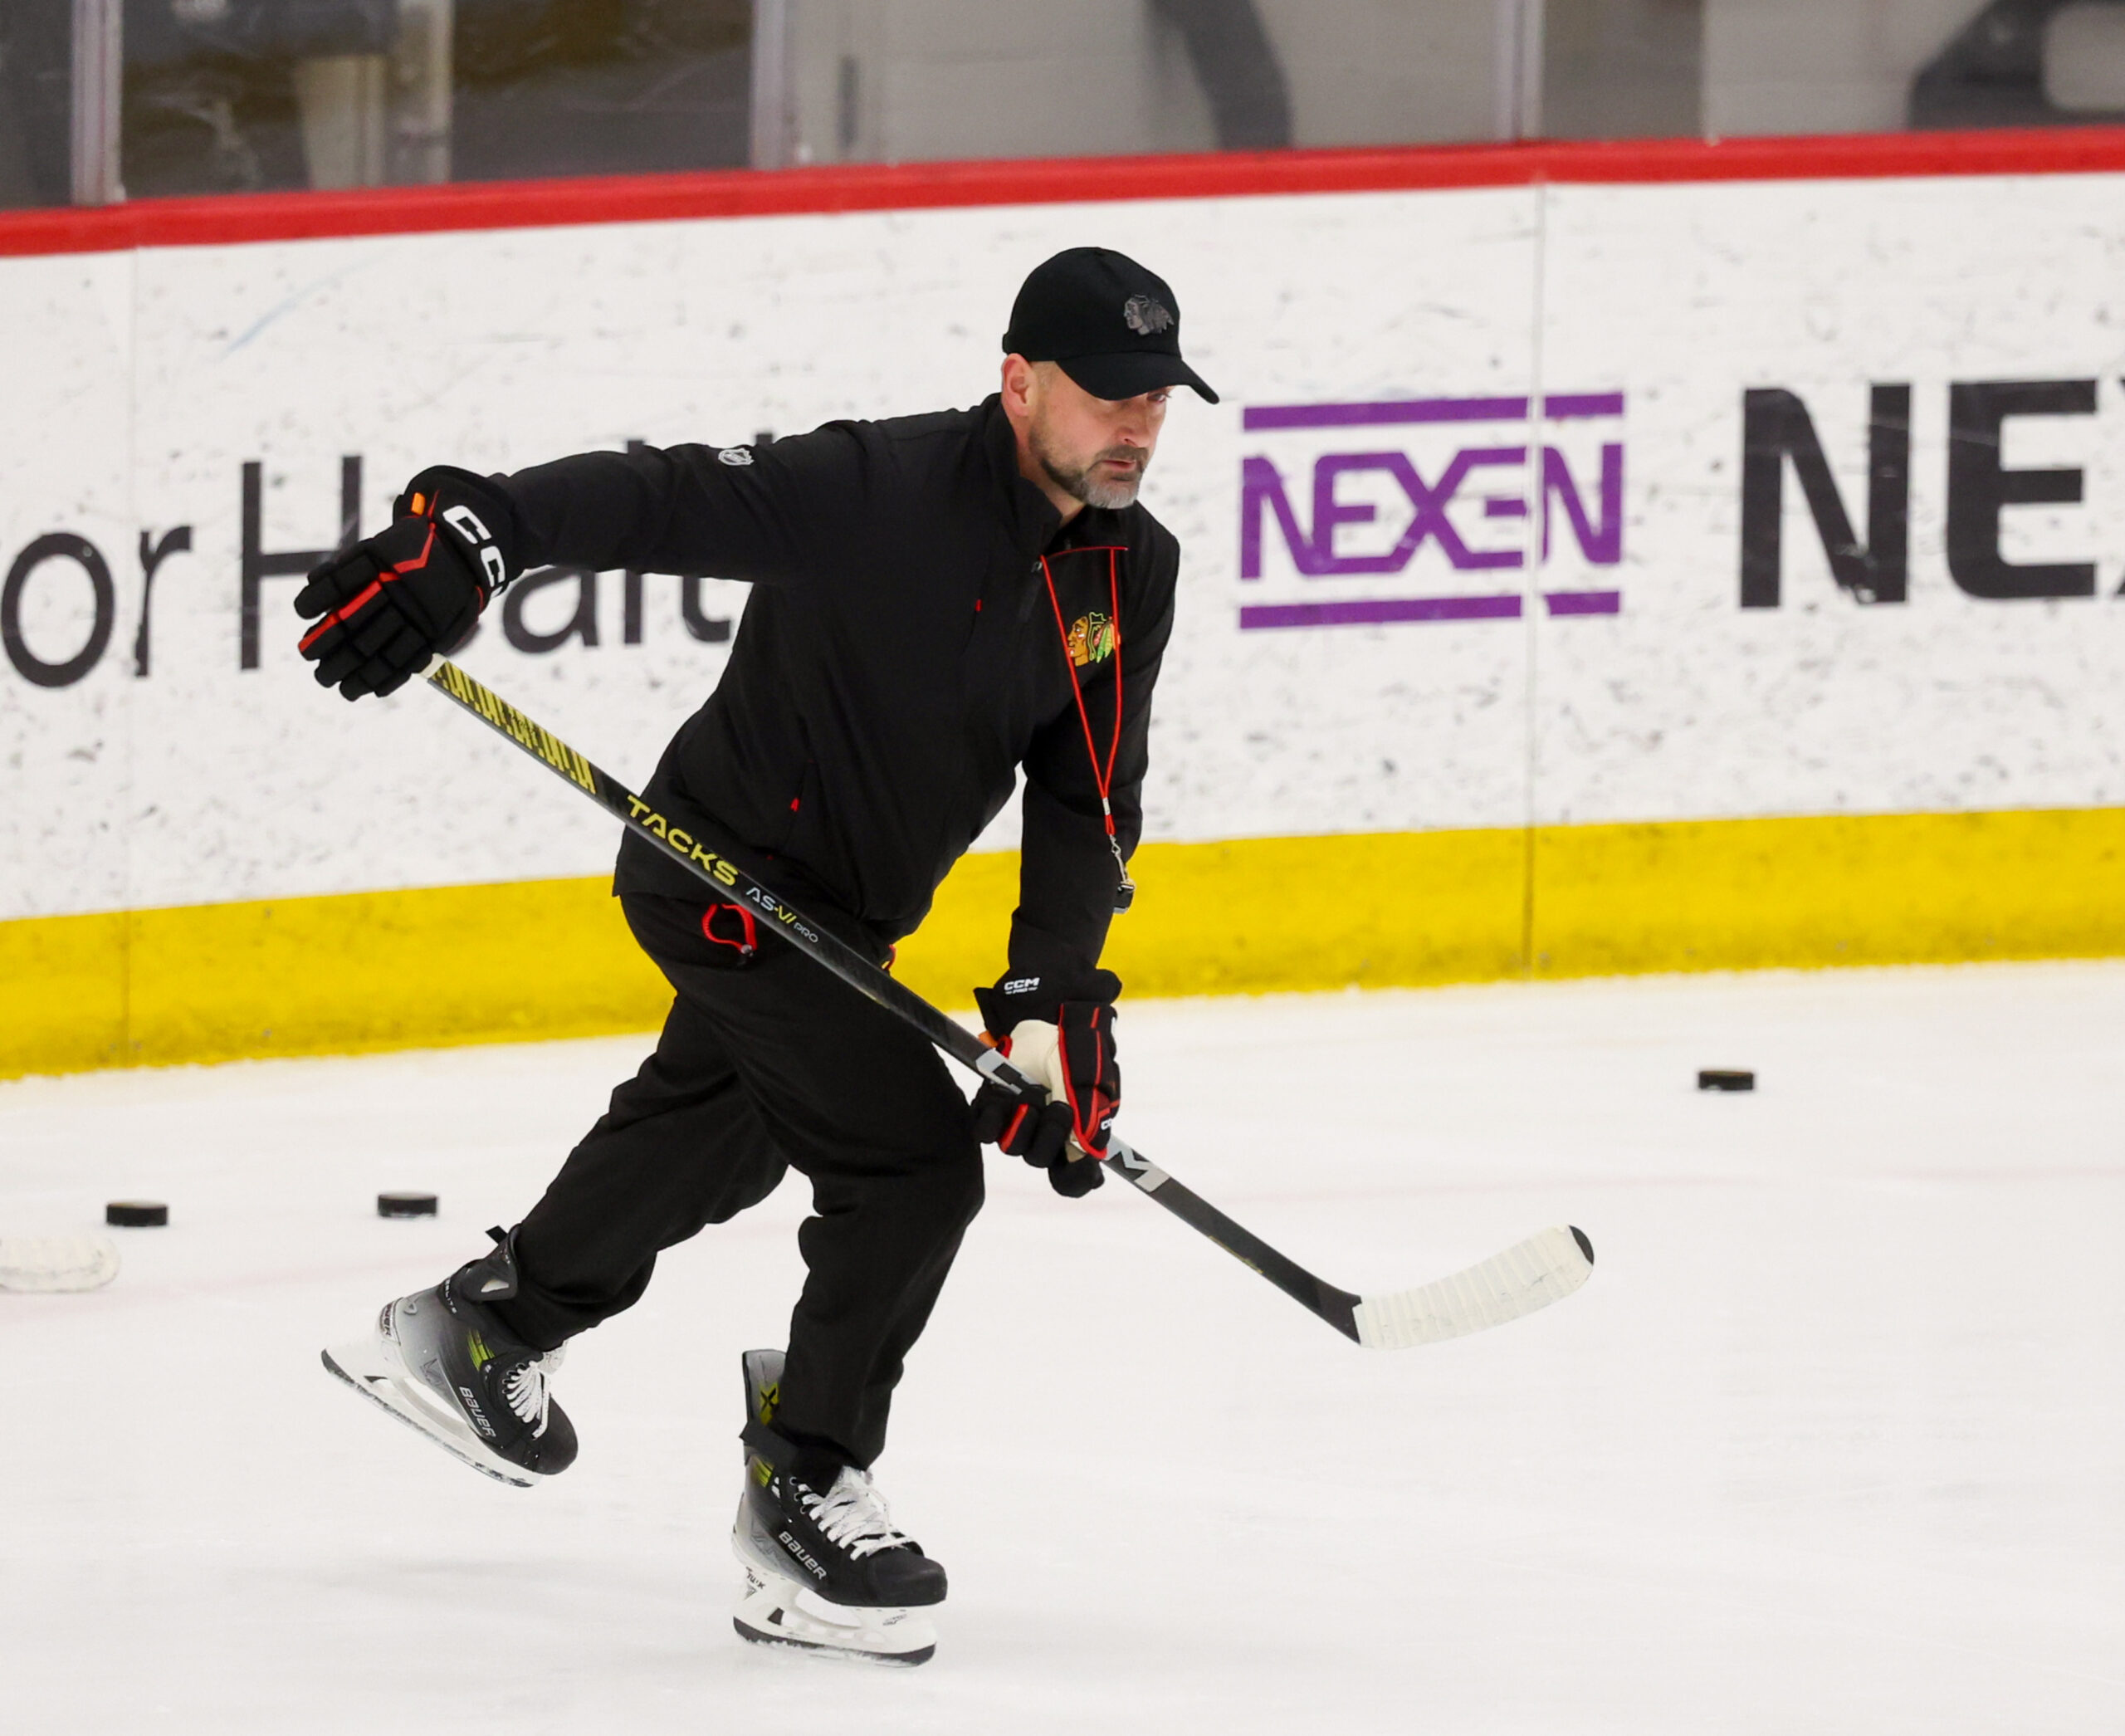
1019 382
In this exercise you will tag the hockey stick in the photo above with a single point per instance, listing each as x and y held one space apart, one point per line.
1526 1276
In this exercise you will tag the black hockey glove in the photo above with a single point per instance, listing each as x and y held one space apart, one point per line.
1066 1045
393 600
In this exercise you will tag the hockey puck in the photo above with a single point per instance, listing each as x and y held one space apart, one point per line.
137 1213
1725 1078
405 1205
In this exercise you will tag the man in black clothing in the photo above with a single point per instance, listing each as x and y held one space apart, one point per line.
941 601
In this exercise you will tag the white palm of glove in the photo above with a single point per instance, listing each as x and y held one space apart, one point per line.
1035 1047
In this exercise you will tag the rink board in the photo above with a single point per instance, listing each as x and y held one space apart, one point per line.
431 966
1478 670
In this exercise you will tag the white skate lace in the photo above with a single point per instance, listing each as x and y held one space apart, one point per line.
851 1515
526 1388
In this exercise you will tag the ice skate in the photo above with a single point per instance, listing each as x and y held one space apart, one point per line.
442 1361
825 1572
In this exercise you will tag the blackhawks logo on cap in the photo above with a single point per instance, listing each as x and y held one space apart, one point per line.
1147 315
1090 638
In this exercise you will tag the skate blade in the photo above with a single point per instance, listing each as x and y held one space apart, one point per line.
773 1612
57 1263
362 1368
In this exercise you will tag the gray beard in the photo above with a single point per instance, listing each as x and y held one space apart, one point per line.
1085 484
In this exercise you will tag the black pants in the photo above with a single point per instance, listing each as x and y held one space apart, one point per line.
761 1066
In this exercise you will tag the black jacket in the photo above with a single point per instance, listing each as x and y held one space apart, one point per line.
900 658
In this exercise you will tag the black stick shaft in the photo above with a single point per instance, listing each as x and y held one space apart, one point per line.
733 884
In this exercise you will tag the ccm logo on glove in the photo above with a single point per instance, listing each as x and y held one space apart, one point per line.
466 524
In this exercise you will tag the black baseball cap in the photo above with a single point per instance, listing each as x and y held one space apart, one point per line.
1109 324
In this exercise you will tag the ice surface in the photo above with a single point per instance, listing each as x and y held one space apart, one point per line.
1832 1441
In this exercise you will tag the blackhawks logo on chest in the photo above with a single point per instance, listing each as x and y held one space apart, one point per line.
1091 637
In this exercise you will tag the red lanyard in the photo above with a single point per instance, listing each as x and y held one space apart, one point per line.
1124 891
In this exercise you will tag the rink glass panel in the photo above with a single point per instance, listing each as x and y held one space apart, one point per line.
233 96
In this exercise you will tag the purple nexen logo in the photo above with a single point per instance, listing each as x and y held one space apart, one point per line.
1470 516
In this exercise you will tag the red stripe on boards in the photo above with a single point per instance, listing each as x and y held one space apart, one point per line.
226 219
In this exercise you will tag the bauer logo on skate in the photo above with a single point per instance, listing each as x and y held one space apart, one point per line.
1422 492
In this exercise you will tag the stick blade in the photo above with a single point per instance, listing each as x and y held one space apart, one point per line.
51 1262
1527 1276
